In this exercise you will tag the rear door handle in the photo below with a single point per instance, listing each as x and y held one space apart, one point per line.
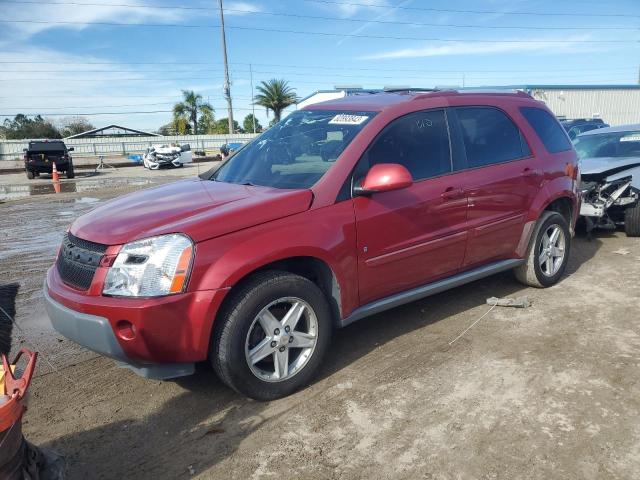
529 172
452 193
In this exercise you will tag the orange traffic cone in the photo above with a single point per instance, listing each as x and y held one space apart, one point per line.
54 174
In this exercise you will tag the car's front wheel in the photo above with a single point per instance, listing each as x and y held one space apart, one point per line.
30 174
548 252
271 337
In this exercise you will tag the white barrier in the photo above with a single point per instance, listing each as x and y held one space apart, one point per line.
106 146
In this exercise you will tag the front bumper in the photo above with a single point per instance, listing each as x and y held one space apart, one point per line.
163 337
159 162
95 333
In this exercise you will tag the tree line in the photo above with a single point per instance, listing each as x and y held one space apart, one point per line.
190 116
23 126
195 116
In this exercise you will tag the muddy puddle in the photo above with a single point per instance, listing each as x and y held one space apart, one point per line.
43 187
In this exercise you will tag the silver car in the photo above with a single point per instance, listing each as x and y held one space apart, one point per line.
610 169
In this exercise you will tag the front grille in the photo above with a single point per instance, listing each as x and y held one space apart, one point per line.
78 260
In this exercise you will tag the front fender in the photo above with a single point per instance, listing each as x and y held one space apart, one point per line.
326 234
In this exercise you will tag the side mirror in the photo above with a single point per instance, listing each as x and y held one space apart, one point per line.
385 177
70 149
25 150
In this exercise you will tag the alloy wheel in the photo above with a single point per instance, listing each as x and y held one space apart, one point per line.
281 339
551 250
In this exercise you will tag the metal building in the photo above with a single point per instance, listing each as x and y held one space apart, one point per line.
615 104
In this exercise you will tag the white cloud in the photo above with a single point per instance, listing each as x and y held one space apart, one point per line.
234 8
384 14
568 44
348 10
75 13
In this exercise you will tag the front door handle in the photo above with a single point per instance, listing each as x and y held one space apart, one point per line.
453 193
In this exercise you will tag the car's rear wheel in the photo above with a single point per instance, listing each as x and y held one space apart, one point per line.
632 221
30 174
271 337
548 252
70 172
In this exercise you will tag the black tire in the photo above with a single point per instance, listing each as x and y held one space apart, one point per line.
530 273
632 221
30 174
231 331
70 172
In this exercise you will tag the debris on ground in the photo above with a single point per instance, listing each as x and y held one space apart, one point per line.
622 251
519 302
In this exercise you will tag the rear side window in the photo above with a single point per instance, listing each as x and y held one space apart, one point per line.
419 141
547 128
489 136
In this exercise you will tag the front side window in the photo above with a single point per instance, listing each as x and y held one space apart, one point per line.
547 128
616 145
296 152
489 136
418 141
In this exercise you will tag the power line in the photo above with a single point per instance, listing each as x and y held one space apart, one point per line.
582 73
341 19
480 12
325 34
329 2
83 114
323 67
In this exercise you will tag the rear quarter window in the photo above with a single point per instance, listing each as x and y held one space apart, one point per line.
547 128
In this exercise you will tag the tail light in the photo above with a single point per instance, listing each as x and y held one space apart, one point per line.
572 171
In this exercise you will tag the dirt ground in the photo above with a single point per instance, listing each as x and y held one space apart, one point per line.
550 391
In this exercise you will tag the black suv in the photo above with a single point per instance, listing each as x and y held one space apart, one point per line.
41 155
576 126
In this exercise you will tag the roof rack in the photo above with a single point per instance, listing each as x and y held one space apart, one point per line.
392 89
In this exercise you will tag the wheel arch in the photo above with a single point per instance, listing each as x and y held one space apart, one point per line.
563 202
564 206
313 268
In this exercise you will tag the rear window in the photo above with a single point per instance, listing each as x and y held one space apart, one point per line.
490 136
547 128
46 146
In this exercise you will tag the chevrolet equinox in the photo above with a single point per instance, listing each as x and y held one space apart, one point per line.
343 209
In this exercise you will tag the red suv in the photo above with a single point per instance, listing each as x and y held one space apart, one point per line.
342 210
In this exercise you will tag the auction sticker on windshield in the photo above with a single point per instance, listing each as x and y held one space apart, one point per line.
344 119
631 138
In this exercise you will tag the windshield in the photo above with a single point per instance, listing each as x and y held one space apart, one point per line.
296 152
618 144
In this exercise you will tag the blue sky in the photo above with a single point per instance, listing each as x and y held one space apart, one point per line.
83 67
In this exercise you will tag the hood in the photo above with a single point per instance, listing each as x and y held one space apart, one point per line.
611 169
202 209
603 165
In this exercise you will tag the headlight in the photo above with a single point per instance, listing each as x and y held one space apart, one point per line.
151 267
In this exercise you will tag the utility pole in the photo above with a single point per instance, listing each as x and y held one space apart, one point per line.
253 105
227 84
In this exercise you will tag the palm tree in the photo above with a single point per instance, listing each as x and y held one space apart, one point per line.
275 95
189 108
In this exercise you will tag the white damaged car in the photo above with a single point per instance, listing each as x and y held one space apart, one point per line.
610 170
167 156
